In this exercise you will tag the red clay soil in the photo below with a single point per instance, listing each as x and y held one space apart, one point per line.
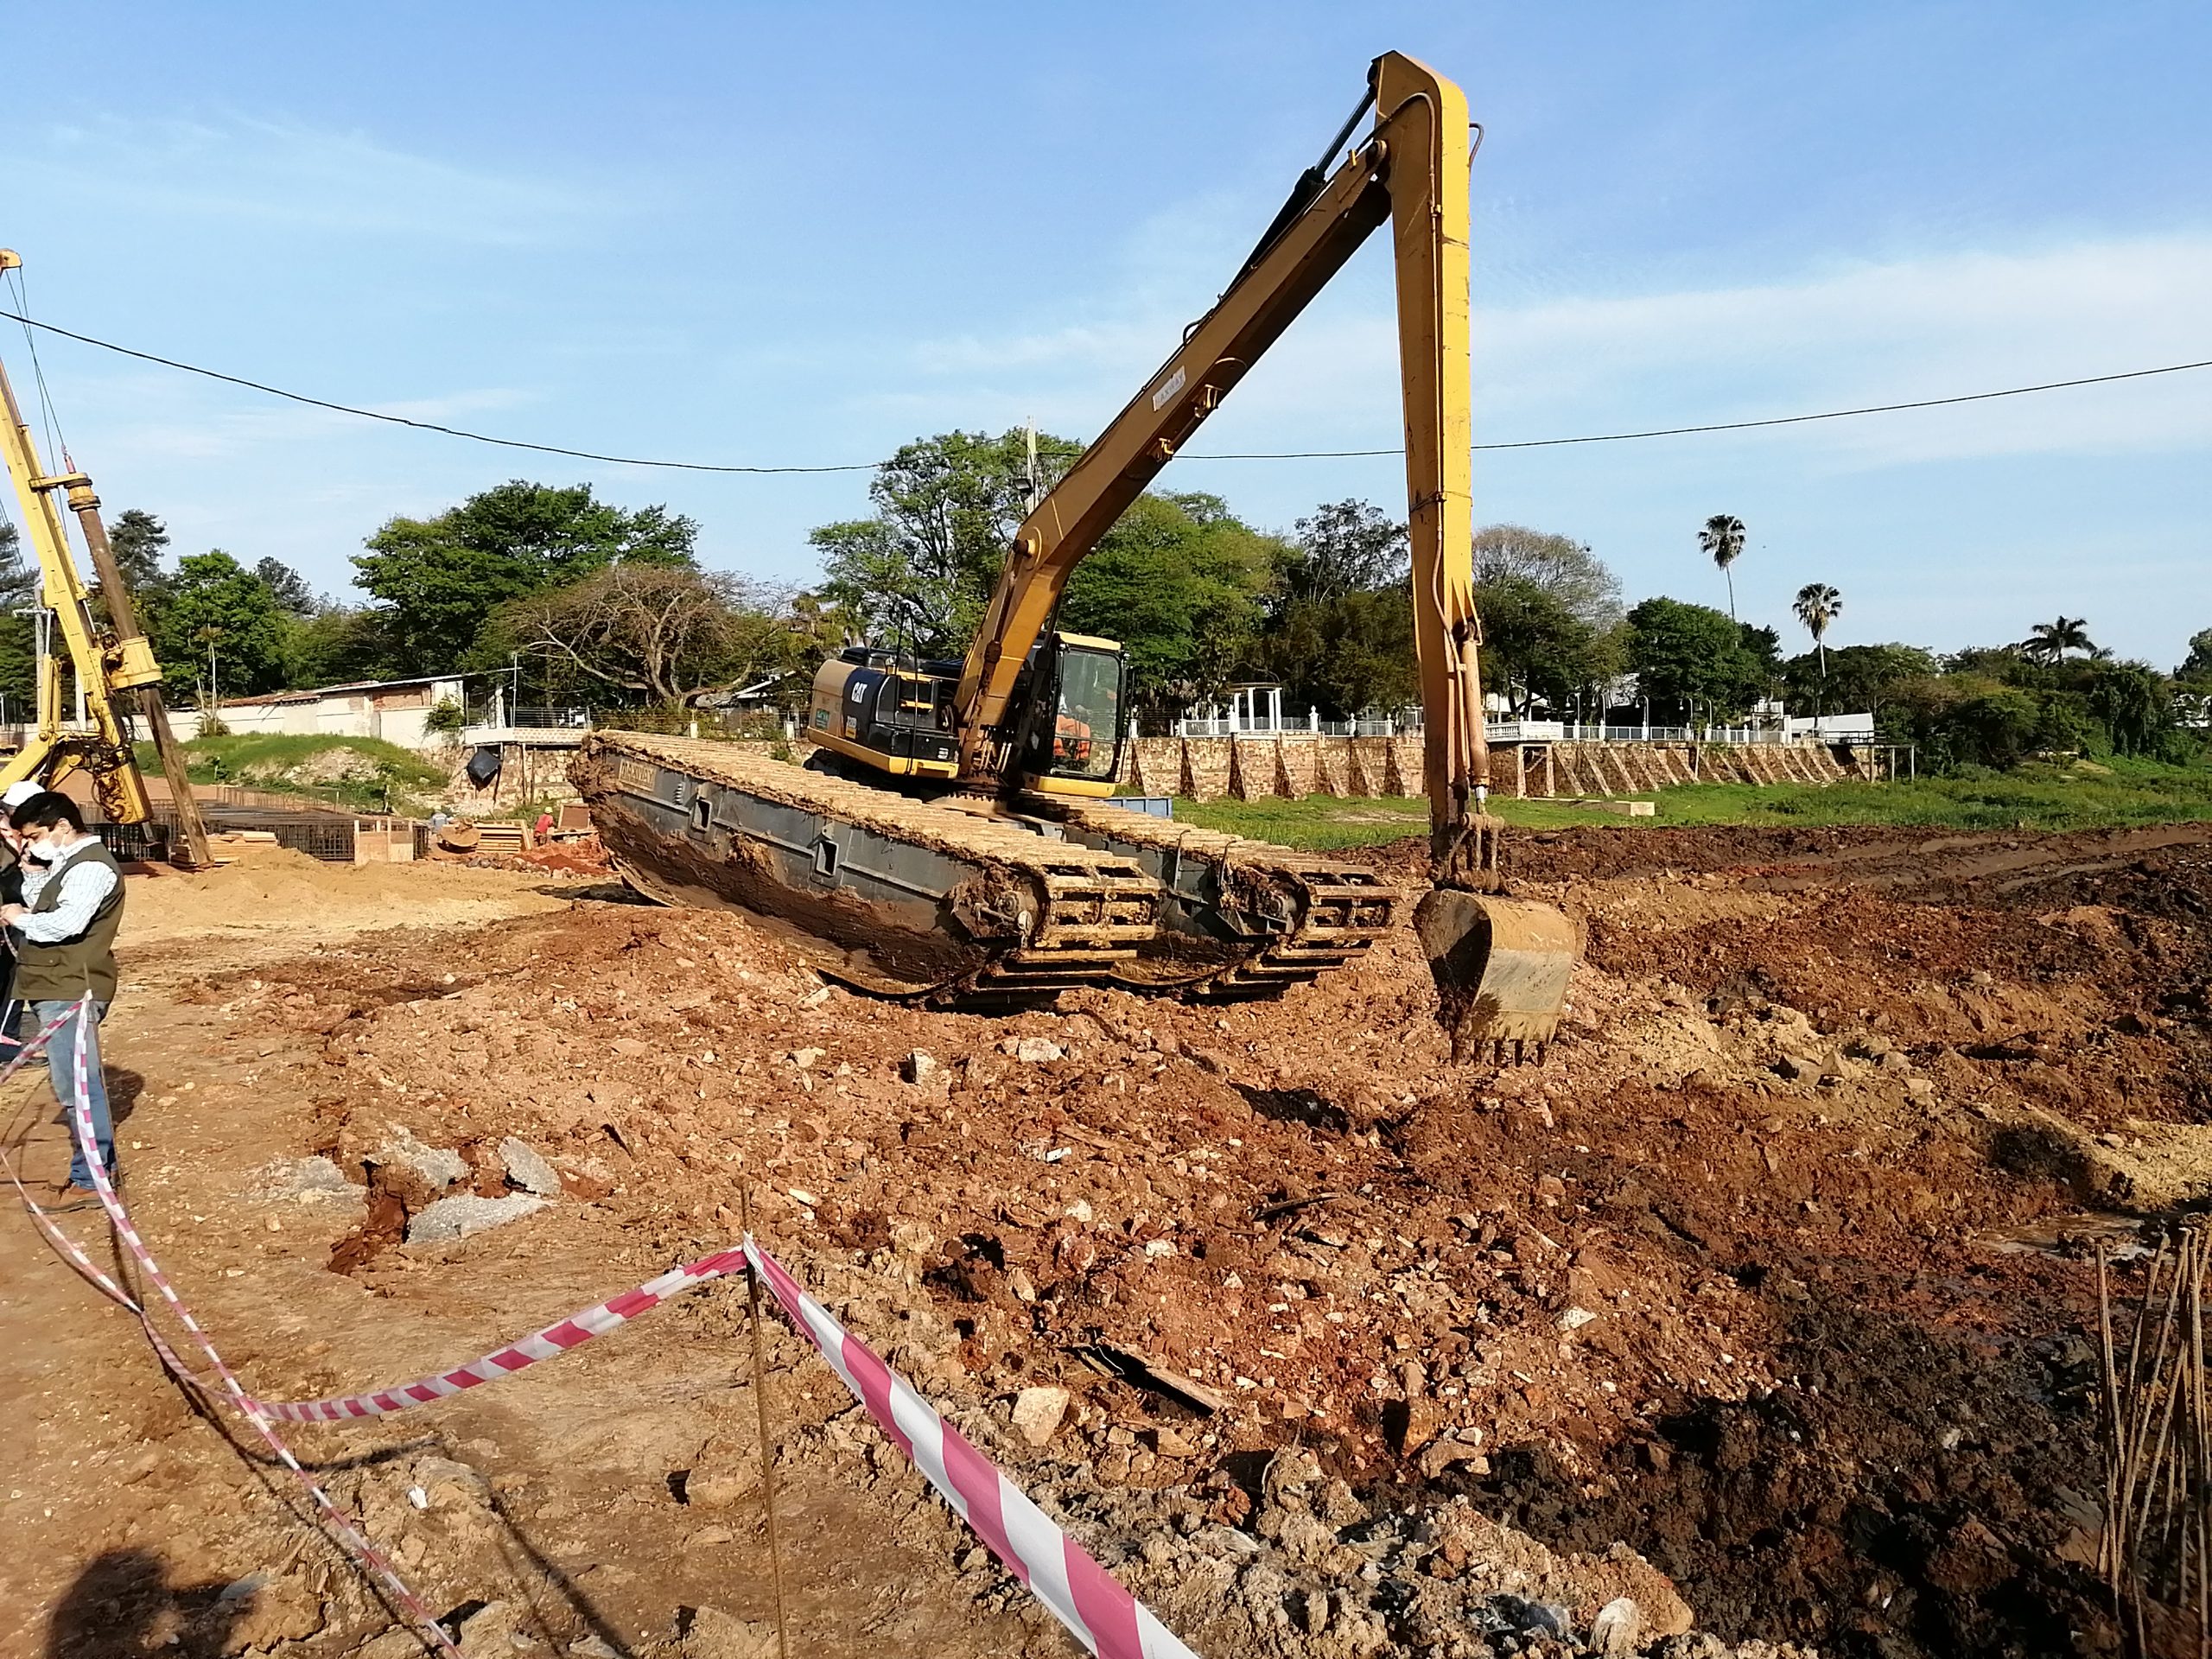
1725 1285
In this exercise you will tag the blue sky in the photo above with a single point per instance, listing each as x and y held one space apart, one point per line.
799 235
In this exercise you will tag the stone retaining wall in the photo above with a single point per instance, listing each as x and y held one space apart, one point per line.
1289 768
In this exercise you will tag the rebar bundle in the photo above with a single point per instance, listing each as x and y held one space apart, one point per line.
2156 1408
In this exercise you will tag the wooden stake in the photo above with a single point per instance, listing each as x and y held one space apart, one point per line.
767 1450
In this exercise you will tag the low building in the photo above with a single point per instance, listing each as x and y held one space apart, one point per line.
398 711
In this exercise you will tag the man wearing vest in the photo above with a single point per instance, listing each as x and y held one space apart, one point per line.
64 952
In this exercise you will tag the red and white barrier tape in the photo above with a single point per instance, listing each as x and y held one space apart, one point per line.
1102 1615
564 1336
348 1529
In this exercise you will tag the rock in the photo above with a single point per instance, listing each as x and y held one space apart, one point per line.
1616 1631
591 1647
1170 1442
1792 1069
527 1168
1920 1088
439 1166
1438 1455
458 1217
724 1478
1896 1060
1525 1618
714 1635
918 1067
1036 1051
309 1179
281 1611
1575 1318
1038 1412
804 1058
490 1630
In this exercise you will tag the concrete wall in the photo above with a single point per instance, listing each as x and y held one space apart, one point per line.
396 714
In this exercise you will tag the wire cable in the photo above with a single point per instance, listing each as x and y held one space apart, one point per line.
54 446
30 323
422 426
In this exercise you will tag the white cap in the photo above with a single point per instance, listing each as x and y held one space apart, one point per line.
15 794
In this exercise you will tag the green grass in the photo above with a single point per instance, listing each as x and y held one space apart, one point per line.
2034 797
302 764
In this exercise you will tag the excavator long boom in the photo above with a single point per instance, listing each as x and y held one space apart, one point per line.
1410 172
962 853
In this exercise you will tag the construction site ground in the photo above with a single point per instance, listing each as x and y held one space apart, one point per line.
1761 1302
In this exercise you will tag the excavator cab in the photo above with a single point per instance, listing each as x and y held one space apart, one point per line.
1074 713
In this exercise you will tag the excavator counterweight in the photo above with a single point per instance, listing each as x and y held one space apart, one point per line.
995 766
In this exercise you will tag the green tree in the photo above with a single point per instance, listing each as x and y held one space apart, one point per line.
1535 650
1338 628
1692 657
1179 582
1345 547
438 580
918 573
1817 605
140 541
216 606
2048 642
289 588
2197 666
1721 540
338 646
18 654
2134 703
1858 676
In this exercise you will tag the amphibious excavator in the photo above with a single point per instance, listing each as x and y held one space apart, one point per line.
951 841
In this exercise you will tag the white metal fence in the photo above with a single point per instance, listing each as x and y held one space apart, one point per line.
1837 728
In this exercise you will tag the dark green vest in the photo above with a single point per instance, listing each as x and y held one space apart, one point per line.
64 972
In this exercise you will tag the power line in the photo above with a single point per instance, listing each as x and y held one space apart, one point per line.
1743 426
402 420
1270 455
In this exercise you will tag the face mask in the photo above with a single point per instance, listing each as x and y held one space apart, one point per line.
43 849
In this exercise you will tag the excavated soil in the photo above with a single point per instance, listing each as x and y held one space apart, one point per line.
1756 1301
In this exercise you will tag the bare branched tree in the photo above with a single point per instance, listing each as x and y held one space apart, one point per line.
667 633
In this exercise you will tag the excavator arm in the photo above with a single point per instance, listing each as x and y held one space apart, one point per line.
1501 964
1411 172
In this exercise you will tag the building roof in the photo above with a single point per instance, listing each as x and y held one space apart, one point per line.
268 699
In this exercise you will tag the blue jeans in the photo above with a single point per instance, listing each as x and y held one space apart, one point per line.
61 1067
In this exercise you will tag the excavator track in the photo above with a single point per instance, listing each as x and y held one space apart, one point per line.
953 907
924 903
1240 918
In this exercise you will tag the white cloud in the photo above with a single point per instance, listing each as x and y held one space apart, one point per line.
300 178
1867 333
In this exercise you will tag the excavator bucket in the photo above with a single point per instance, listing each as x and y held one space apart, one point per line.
1501 967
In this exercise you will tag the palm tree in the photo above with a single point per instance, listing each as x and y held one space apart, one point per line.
2048 642
1723 538
1817 606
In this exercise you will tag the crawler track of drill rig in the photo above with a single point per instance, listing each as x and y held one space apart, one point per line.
936 903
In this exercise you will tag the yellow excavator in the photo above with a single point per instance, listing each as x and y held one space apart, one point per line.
952 844
110 661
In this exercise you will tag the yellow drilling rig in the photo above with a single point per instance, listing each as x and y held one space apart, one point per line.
109 658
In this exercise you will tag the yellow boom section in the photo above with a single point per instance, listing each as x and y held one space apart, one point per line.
1412 170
